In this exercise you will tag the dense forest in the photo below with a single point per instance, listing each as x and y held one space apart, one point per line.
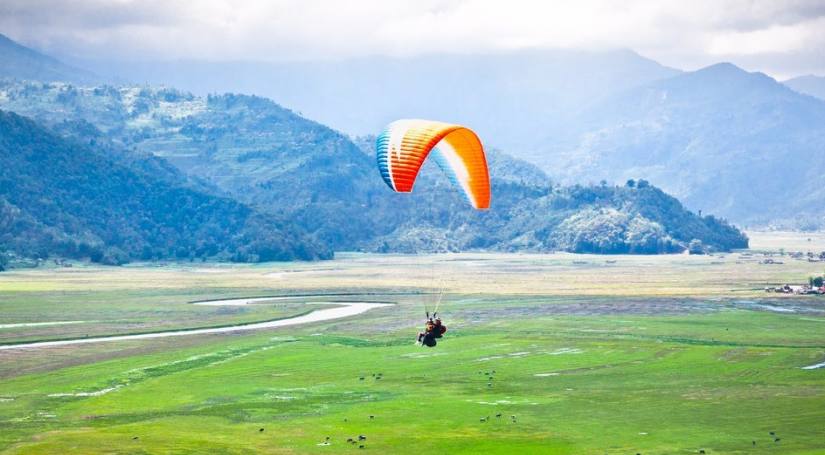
59 197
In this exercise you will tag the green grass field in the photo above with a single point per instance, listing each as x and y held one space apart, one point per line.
577 354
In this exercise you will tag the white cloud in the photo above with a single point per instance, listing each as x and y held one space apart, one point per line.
775 39
678 33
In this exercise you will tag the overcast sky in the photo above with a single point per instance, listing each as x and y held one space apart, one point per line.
782 38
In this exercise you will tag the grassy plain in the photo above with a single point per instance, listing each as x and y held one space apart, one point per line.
591 354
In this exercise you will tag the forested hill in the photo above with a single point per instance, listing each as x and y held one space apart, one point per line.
278 162
59 197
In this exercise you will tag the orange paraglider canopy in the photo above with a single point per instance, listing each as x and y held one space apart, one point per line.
404 145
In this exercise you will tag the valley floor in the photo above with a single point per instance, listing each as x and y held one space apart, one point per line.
545 354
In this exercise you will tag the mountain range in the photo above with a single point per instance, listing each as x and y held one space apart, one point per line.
255 151
316 189
506 97
737 144
721 139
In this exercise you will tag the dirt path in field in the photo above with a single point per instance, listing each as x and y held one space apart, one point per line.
342 310
40 324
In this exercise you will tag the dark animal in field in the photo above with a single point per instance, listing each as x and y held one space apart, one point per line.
261 430
361 437
135 438
777 440
702 451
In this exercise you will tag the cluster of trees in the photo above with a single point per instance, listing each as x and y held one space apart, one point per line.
637 219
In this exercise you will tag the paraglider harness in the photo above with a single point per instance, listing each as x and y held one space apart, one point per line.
433 330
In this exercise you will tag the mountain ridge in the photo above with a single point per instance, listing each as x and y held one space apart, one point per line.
258 152
528 88
254 150
21 62
716 138
809 85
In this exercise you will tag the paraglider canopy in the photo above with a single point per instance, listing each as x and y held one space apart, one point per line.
404 145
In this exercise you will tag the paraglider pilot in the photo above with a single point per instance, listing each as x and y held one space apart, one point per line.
432 330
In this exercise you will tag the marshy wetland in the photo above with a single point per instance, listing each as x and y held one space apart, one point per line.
554 353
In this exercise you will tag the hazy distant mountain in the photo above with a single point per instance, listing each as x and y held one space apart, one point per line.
809 85
266 156
723 140
20 62
509 98
61 197
581 116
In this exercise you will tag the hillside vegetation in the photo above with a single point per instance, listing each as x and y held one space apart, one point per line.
60 197
724 141
277 162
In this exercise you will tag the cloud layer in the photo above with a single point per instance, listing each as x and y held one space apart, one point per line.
782 38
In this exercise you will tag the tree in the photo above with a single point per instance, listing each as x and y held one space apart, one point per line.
631 183
696 247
